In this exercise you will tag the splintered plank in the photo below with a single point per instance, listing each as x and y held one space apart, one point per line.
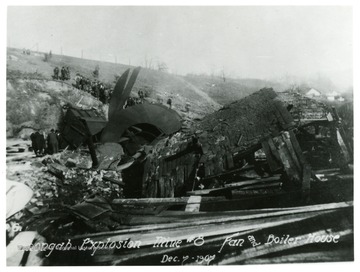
170 186
180 176
286 139
287 160
342 145
152 255
234 185
306 181
161 201
181 231
225 217
162 167
262 186
214 236
297 147
274 150
160 189
339 255
193 204
273 163
145 201
229 161
145 180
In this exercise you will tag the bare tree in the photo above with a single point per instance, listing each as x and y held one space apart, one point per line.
148 62
162 67
223 74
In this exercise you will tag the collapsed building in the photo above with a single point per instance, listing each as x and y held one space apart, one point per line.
257 161
267 141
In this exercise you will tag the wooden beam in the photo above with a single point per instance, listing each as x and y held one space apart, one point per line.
228 216
118 182
193 204
343 147
181 231
306 182
271 160
274 150
287 160
287 141
297 148
162 201
234 185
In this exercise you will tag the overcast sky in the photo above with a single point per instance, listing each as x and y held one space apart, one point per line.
256 42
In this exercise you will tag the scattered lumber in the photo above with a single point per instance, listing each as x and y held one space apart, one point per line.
216 228
236 185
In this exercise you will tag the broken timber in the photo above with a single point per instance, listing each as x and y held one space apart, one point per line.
215 228
221 151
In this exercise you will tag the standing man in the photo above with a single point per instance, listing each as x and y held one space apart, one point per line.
169 102
58 136
53 142
67 72
40 143
56 73
63 73
34 145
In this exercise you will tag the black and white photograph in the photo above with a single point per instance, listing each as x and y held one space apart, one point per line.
164 135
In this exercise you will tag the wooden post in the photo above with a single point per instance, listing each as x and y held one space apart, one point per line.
270 158
286 139
306 177
342 145
91 147
287 160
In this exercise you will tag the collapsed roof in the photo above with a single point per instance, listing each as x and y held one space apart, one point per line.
243 123
257 132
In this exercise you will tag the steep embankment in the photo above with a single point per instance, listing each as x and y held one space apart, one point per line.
37 104
35 99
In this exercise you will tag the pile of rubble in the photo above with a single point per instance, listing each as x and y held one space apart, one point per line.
145 161
303 108
59 182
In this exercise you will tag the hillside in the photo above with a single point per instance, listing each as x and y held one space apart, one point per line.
34 99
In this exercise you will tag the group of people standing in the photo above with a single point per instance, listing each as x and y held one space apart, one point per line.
94 87
43 144
63 74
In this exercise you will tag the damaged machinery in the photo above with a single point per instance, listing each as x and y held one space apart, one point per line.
269 163
265 144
